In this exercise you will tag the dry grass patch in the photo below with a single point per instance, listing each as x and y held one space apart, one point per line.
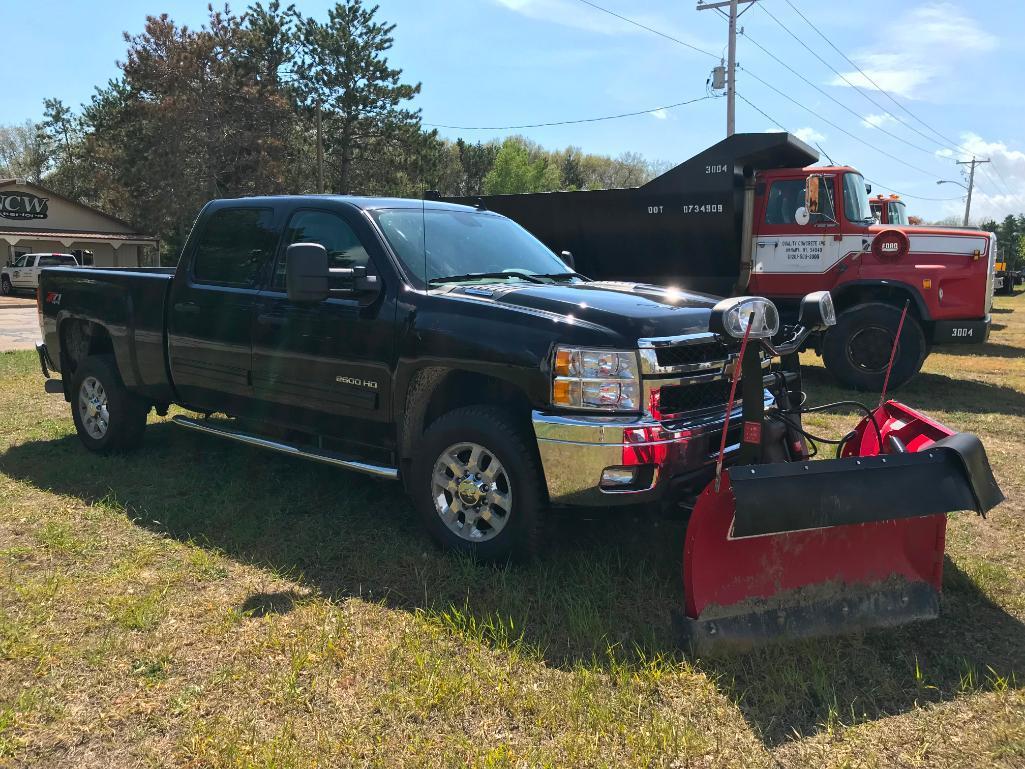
202 604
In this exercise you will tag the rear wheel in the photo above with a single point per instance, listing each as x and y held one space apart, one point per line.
108 418
478 485
6 288
857 349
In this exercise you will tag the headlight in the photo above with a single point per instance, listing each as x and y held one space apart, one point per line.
732 316
604 380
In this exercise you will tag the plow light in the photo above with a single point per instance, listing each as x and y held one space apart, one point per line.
732 317
817 310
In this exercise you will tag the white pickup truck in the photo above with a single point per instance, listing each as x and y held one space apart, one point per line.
23 273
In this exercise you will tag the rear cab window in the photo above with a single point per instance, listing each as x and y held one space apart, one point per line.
57 260
234 246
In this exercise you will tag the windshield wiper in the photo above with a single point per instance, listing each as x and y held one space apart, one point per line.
478 275
561 275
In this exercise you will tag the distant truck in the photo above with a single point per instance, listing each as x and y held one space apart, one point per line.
890 210
23 273
750 215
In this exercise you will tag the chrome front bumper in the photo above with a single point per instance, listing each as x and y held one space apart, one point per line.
575 450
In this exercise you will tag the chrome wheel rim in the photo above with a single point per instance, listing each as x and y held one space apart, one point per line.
92 407
472 492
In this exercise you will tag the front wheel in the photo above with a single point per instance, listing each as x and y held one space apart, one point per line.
857 349
108 418
6 289
478 485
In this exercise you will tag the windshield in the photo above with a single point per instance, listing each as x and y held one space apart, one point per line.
898 213
460 243
855 199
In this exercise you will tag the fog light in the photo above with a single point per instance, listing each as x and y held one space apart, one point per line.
617 477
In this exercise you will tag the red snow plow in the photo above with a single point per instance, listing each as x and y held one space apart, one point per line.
779 546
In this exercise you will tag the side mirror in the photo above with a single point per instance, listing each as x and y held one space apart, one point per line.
306 272
812 189
567 257
801 216
817 311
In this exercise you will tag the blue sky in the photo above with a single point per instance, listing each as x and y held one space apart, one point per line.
957 66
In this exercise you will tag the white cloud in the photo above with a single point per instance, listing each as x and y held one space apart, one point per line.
874 121
918 48
569 13
809 135
659 114
999 184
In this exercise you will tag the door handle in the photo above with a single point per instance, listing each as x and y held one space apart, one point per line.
267 319
186 308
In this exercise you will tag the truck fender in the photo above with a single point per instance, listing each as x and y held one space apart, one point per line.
418 395
844 290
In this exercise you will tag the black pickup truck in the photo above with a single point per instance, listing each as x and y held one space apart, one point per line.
436 344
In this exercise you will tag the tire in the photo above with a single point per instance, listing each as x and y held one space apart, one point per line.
6 289
97 390
511 496
857 349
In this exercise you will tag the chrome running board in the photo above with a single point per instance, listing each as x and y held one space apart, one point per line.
316 455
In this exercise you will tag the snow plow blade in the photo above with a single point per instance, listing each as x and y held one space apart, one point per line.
801 549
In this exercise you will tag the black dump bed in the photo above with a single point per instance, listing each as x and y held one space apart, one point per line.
682 228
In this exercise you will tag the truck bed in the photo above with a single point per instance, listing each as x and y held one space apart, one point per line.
129 303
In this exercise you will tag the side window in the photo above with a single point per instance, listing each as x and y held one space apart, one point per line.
234 245
787 195
331 231
20 261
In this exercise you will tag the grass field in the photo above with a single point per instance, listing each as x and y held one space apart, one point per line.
202 604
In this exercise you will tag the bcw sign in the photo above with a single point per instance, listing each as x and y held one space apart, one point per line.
22 205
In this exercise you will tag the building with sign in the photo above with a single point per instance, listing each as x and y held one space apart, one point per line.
34 219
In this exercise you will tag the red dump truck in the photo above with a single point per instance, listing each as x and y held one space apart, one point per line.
752 215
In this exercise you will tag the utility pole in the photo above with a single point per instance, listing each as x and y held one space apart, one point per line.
320 153
731 62
971 184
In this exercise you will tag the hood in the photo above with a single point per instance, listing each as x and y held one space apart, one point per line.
630 310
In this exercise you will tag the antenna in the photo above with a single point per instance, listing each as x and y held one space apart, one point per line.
819 147
423 217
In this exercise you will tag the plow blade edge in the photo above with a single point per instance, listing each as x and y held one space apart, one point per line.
803 549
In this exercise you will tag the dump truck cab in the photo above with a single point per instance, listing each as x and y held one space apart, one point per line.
890 209
831 239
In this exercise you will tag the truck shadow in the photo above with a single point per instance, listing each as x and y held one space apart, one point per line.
601 597
927 391
990 349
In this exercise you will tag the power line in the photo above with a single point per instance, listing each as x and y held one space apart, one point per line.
878 87
837 127
855 87
773 120
759 111
650 29
832 98
566 122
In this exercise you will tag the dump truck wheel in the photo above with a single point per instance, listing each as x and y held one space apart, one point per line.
108 418
478 485
857 349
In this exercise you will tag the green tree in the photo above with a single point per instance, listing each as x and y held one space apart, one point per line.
24 151
519 167
343 70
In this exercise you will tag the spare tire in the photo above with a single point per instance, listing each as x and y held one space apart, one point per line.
857 349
